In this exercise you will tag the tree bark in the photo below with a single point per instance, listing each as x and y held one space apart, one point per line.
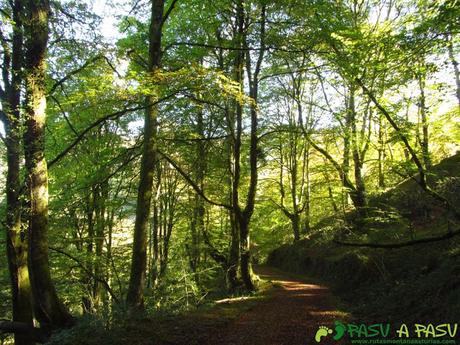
236 130
135 296
381 153
424 140
293 165
359 194
101 197
49 310
454 62
234 254
155 233
16 238
87 302
346 158
244 216
197 225
307 188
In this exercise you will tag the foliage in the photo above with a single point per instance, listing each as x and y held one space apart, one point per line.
328 105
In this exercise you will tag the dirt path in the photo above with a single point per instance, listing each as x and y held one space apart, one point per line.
291 317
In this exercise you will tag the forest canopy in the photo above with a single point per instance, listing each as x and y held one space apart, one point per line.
147 166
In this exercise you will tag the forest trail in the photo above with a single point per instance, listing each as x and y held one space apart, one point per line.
292 316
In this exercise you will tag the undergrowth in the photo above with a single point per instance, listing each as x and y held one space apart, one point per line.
187 327
415 283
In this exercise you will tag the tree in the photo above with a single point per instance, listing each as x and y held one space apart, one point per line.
17 239
294 148
206 137
49 310
149 156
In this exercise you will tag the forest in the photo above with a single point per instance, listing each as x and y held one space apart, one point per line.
228 171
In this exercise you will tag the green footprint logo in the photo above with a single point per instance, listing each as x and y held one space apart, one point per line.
339 330
322 331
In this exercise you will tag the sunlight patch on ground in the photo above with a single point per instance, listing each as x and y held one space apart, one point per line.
305 295
329 313
234 300
297 286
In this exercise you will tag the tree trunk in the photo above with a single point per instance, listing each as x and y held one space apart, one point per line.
346 159
48 308
381 154
198 223
358 195
101 197
424 142
245 254
293 167
16 238
307 193
234 255
236 130
295 221
244 217
87 302
135 296
454 62
169 202
196 230
155 233
109 257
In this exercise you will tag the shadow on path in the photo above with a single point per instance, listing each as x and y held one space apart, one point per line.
292 316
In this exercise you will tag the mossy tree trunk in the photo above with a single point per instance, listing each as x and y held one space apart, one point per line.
16 237
49 310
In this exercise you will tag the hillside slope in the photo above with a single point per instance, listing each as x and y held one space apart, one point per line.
414 283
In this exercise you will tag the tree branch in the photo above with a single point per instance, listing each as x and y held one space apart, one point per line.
96 123
443 237
88 272
421 181
191 140
192 183
343 176
395 126
214 46
213 252
74 72
168 13
65 115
